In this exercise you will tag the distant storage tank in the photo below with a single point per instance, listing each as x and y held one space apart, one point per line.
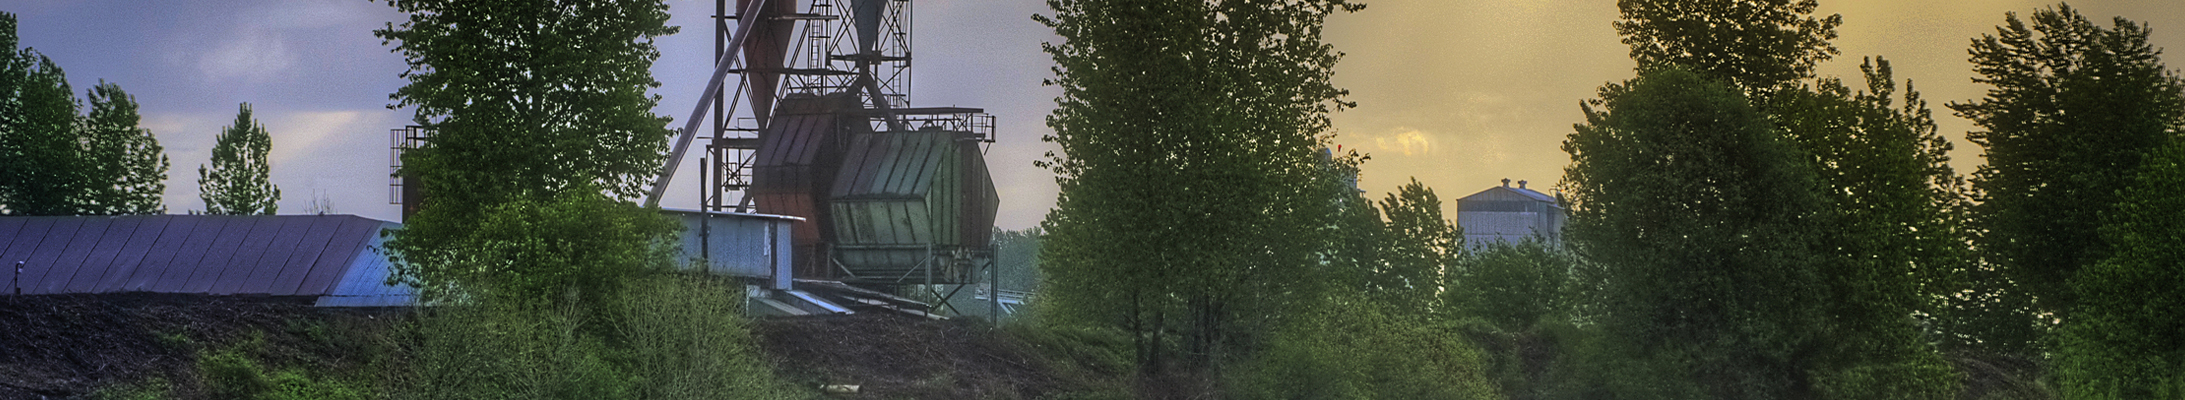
1510 214
903 199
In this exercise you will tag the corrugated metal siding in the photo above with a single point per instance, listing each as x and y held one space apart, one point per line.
1507 214
364 282
750 245
796 163
205 254
902 195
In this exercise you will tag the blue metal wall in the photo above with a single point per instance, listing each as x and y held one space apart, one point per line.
738 244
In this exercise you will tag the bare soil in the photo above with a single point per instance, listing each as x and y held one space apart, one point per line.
896 357
66 346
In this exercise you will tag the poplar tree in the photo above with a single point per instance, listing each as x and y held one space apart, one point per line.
1895 239
531 105
2072 111
1192 201
126 169
239 181
2125 337
45 171
1704 218
14 72
1754 45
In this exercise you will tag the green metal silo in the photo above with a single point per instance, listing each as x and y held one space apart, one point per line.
912 207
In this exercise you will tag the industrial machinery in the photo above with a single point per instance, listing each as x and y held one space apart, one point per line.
817 123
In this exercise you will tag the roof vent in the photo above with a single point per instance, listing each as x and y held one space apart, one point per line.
1520 184
1505 182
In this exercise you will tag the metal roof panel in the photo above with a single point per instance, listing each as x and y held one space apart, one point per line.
137 248
162 254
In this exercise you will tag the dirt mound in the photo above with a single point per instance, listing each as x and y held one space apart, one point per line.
892 357
58 346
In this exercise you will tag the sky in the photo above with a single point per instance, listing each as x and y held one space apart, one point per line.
1457 94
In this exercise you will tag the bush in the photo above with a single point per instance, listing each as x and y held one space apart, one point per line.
669 337
687 340
1360 352
231 373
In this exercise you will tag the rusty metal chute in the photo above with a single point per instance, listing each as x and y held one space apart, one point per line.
890 194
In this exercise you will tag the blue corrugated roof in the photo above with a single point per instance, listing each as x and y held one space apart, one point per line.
288 255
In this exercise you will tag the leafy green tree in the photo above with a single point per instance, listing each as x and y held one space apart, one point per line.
1191 203
1754 45
579 243
125 168
1703 216
1896 241
2125 339
1420 249
1016 253
240 181
1513 285
44 174
2073 110
14 73
529 104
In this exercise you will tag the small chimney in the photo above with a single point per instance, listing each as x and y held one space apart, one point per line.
1520 184
1505 182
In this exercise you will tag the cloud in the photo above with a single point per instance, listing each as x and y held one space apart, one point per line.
249 55
1406 140
306 133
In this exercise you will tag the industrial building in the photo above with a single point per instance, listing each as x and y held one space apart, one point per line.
1508 214
334 258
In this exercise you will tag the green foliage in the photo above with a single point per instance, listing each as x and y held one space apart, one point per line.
2073 110
240 179
687 340
1358 351
1700 213
566 77
2125 341
54 162
1895 242
1754 45
233 373
578 246
1191 198
1514 285
672 337
153 388
44 171
1016 253
497 349
297 385
1419 248
125 169
537 218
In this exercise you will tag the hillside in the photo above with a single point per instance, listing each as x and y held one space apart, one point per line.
155 346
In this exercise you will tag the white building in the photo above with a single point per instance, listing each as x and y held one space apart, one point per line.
1509 214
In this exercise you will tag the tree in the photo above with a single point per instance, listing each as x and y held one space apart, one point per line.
14 73
239 181
1754 45
1513 285
2073 110
1703 216
45 165
125 168
1192 202
54 162
1421 247
2124 340
528 104
1896 244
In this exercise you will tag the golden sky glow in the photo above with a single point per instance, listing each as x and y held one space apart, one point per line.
1461 94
